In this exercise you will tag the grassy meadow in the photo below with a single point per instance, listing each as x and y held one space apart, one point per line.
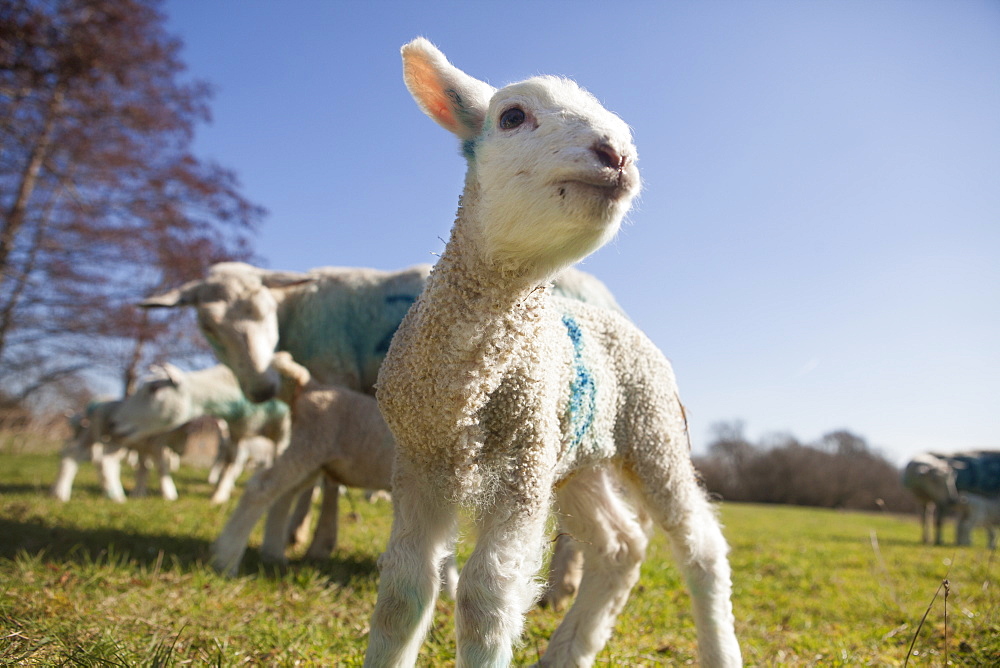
94 583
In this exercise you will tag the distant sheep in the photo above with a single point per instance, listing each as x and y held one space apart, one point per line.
502 396
975 510
937 480
92 440
173 397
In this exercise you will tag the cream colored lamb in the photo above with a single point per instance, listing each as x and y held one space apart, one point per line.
504 398
335 431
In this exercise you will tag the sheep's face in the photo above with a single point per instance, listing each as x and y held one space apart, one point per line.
242 328
551 171
555 171
158 405
237 307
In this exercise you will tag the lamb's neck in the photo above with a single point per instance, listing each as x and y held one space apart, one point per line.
475 280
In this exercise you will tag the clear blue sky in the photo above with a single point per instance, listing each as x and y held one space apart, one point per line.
816 246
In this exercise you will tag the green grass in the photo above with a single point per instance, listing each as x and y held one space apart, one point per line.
94 583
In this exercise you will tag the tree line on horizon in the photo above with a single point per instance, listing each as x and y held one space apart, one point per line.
840 470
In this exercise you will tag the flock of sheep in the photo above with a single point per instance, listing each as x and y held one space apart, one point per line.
500 380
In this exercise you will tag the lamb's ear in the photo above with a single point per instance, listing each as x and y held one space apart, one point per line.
451 97
186 295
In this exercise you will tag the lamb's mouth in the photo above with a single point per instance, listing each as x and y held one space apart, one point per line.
608 187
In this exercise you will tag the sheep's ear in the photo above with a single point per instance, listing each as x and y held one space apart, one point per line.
186 295
451 97
172 373
284 279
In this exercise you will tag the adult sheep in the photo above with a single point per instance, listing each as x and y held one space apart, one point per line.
501 396
337 322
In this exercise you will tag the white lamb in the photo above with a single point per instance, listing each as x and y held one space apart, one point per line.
336 432
976 510
91 440
174 397
501 396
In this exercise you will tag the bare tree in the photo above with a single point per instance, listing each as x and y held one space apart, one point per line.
101 199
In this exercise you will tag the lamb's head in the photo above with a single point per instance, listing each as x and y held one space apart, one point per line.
237 307
159 404
551 171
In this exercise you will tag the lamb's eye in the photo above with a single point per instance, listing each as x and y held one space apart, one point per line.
511 118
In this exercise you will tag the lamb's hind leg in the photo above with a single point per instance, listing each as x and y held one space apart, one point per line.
671 493
290 471
614 545
423 530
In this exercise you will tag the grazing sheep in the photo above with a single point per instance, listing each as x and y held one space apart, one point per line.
336 432
174 397
937 480
976 510
931 479
502 396
92 440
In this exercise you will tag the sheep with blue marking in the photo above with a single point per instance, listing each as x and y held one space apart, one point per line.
173 397
337 322
91 440
504 398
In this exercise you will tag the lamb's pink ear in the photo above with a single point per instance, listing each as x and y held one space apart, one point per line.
451 97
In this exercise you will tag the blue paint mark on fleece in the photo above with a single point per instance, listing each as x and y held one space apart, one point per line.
582 392
382 347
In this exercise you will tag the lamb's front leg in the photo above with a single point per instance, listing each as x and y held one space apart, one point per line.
498 584
74 453
111 472
423 530
164 463
230 472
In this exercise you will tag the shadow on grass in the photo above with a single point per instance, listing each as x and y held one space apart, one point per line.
342 568
72 545
69 545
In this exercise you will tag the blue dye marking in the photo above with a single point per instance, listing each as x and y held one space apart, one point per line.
396 299
382 347
469 149
583 394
